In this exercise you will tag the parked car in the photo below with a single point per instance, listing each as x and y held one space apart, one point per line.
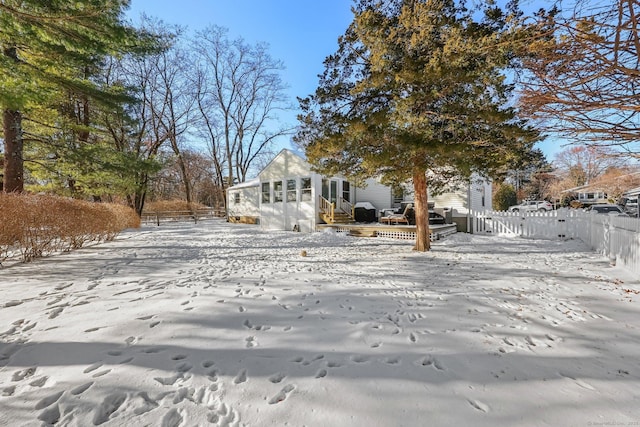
532 206
602 208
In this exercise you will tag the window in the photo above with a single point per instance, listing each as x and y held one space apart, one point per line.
277 191
266 193
305 196
346 191
236 198
291 190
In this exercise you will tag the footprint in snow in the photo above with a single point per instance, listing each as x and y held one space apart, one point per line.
25 373
39 382
276 378
152 350
101 373
251 341
432 362
9 391
478 405
109 405
282 395
49 400
168 380
81 388
92 367
358 358
50 416
12 303
392 361
241 377
183 367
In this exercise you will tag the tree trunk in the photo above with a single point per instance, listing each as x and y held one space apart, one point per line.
13 146
185 178
421 208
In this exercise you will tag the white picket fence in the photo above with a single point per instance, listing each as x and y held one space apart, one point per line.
616 237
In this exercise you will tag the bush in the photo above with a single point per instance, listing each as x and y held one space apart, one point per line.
37 225
504 197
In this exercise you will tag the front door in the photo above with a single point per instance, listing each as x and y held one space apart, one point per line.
330 190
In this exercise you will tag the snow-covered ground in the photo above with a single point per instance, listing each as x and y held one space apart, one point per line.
222 324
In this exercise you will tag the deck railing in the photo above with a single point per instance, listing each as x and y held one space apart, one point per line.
346 207
328 209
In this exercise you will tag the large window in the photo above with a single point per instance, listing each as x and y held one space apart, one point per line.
266 193
277 191
305 196
291 190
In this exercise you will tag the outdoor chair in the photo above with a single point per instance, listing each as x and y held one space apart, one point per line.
398 218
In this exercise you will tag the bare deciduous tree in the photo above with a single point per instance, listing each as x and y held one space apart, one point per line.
239 91
590 162
585 82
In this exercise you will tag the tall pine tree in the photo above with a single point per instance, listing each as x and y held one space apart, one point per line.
417 91
42 46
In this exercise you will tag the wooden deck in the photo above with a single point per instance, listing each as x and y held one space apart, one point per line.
405 232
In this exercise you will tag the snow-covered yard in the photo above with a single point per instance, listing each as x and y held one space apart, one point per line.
217 323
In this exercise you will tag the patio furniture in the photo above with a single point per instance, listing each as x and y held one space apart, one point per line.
398 218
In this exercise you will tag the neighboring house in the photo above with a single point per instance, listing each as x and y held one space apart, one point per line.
288 195
591 197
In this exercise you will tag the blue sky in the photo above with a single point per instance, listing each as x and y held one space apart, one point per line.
301 33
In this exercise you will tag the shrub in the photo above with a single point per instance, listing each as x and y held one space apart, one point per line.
504 197
36 225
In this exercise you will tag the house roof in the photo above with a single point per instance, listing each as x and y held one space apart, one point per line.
255 182
280 153
632 192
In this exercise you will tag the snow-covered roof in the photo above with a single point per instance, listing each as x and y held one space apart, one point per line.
255 182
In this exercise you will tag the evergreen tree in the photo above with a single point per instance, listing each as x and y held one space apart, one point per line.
504 197
47 49
416 91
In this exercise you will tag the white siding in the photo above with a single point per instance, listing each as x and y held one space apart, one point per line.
375 193
285 164
476 196
481 197
456 201
248 204
285 215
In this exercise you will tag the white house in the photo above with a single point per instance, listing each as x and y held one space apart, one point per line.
244 202
288 195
